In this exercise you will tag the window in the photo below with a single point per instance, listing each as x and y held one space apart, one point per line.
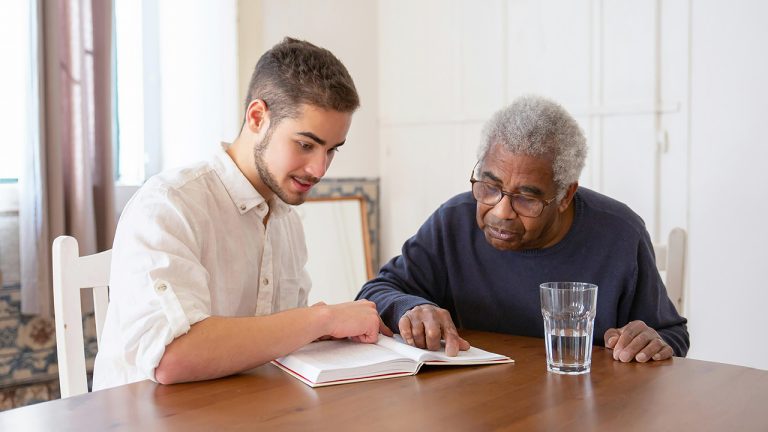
176 83
15 86
137 97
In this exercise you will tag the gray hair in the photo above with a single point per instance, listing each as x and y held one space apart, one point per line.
536 126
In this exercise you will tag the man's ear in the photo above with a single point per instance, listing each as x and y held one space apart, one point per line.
569 193
257 116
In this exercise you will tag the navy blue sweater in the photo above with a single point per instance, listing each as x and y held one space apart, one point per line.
449 263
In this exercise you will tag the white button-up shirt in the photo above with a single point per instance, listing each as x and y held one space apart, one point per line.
190 244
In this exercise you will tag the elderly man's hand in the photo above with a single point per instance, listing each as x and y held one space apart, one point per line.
637 341
425 325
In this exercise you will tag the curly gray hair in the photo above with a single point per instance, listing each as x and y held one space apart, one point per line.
537 126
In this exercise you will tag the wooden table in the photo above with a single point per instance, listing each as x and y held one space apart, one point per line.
678 394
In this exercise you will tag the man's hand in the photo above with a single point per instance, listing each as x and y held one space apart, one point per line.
425 325
357 320
637 341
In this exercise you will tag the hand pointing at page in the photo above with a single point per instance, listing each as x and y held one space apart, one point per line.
425 325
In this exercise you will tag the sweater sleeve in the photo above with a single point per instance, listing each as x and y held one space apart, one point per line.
417 276
652 304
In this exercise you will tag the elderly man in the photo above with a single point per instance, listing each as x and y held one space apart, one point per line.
479 259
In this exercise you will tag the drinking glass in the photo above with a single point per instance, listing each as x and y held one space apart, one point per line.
568 309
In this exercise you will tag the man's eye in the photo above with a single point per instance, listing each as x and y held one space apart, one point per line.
305 145
490 190
333 150
524 200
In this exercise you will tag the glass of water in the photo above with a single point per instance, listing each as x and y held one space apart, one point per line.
568 309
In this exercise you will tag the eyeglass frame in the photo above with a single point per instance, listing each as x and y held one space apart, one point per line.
503 193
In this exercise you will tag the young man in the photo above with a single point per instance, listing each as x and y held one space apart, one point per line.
208 262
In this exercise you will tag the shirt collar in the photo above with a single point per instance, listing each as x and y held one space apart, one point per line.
244 196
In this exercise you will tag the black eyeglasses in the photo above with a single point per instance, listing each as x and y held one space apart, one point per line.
524 205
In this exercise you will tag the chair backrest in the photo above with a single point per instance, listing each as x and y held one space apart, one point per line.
670 260
71 273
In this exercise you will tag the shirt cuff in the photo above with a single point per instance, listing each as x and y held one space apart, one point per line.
177 323
402 305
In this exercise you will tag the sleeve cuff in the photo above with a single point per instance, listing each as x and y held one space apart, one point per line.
178 323
403 305
678 342
172 310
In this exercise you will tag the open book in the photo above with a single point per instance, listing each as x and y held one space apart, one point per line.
332 362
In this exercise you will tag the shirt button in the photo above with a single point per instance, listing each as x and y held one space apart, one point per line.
243 207
261 206
266 281
161 287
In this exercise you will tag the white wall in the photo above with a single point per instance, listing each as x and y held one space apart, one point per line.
728 234
348 29
442 74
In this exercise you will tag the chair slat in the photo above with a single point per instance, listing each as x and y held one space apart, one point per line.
71 273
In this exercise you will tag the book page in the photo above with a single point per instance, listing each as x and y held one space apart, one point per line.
343 359
471 356
343 354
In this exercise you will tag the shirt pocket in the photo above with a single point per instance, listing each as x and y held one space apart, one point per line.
289 289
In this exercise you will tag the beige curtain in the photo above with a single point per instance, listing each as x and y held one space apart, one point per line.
67 186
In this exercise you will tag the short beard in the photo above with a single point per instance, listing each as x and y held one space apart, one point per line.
267 178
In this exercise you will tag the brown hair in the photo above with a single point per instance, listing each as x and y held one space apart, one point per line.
295 72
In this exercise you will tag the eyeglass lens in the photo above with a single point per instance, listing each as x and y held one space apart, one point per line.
491 195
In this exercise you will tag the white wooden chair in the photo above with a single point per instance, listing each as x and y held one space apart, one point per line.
670 260
71 272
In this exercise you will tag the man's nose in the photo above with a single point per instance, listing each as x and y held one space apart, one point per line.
503 209
318 165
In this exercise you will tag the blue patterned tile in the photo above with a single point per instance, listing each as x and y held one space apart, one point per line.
29 367
6 368
10 301
8 335
36 333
